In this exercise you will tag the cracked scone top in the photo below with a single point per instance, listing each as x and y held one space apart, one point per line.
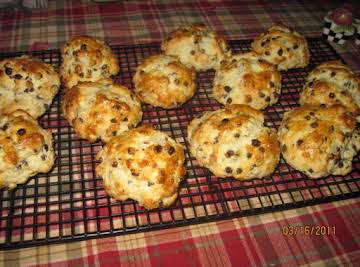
283 47
101 110
27 83
332 83
196 46
163 81
233 142
143 164
319 141
25 149
85 58
247 79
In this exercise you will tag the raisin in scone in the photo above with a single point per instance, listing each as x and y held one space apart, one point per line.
28 84
247 79
143 164
233 142
163 81
101 110
196 46
332 83
319 141
85 58
283 47
25 149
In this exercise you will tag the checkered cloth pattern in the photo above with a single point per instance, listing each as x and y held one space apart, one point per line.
249 241
336 37
272 239
357 35
136 21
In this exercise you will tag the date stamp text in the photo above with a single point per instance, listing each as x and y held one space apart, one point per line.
317 230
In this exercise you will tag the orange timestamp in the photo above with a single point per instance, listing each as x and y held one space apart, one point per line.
317 230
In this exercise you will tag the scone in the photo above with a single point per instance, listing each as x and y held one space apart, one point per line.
143 164
101 110
25 149
27 83
233 142
319 141
283 47
246 79
332 83
86 59
163 81
196 46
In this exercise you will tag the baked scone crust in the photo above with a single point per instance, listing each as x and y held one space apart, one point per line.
283 47
163 81
332 83
143 164
25 149
319 141
101 110
326 94
196 46
247 79
86 58
233 142
28 84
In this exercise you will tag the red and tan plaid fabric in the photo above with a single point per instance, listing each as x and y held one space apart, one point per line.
250 241
135 22
288 238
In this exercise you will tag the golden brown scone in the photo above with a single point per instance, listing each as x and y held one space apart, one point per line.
101 110
85 58
142 164
246 79
332 83
163 81
25 149
283 47
27 83
196 46
233 142
319 141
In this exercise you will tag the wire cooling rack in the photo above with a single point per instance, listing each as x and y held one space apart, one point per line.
70 203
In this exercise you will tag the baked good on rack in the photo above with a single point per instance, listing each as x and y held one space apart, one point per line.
332 83
27 83
143 164
101 110
85 58
233 142
319 141
163 81
196 46
25 149
246 79
283 47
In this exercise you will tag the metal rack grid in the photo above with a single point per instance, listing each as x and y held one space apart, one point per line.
69 203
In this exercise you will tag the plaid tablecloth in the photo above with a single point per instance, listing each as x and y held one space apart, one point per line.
249 241
271 239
